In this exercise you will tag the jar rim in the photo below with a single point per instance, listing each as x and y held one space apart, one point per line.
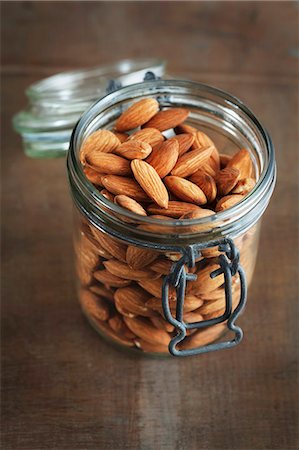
267 176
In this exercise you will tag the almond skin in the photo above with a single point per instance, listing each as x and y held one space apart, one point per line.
185 141
137 114
206 183
150 182
164 157
134 150
131 301
108 163
168 118
137 257
204 283
244 186
99 141
228 201
191 162
201 140
224 159
185 190
93 176
151 136
118 325
226 180
184 128
150 347
121 136
154 287
241 161
144 329
94 305
175 209
107 195
101 291
122 270
197 214
108 279
203 337
124 186
111 245
130 204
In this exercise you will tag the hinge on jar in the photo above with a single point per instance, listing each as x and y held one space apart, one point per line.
178 277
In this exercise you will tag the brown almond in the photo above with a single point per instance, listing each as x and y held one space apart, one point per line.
202 140
99 141
150 182
213 306
134 150
168 118
121 136
94 305
204 283
241 161
102 292
162 266
154 287
93 176
124 186
193 316
122 270
150 347
191 162
226 180
111 245
117 337
131 301
244 186
137 257
185 140
184 128
185 190
118 325
107 195
130 204
164 157
206 183
150 135
208 169
162 324
224 159
108 279
108 163
144 329
203 337
228 201
175 209
191 303
137 114
198 214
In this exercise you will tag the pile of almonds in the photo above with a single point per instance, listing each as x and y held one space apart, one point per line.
182 177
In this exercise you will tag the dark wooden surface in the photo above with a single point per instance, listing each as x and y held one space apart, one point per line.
63 387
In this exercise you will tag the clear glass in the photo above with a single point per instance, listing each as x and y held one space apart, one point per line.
121 257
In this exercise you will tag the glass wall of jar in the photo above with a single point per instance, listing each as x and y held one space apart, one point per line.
122 258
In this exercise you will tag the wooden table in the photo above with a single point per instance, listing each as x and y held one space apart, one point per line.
63 387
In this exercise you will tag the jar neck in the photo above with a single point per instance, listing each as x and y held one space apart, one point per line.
218 111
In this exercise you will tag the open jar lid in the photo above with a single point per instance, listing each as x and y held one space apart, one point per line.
57 102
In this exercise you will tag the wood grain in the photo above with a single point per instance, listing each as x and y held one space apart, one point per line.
64 387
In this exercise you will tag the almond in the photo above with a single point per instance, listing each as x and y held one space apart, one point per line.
164 157
107 278
185 190
150 135
203 337
191 162
175 209
134 150
93 176
244 186
131 301
117 337
137 114
118 325
168 118
206 168
130 204
185 140
193 316
161 324
191 303
122 270
111 245
224 159
94 305
197 214
137 257
107 195
99 141
121 136
154 287
149 347
162 266
144 329
201 140
184 128
108 163
206 183
241 161
124 186
213 306
150 182
226 180
228 201
102 292
204 283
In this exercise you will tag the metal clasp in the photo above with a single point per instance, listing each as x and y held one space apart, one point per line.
178 278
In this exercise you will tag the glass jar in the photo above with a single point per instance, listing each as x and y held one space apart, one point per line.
157 285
